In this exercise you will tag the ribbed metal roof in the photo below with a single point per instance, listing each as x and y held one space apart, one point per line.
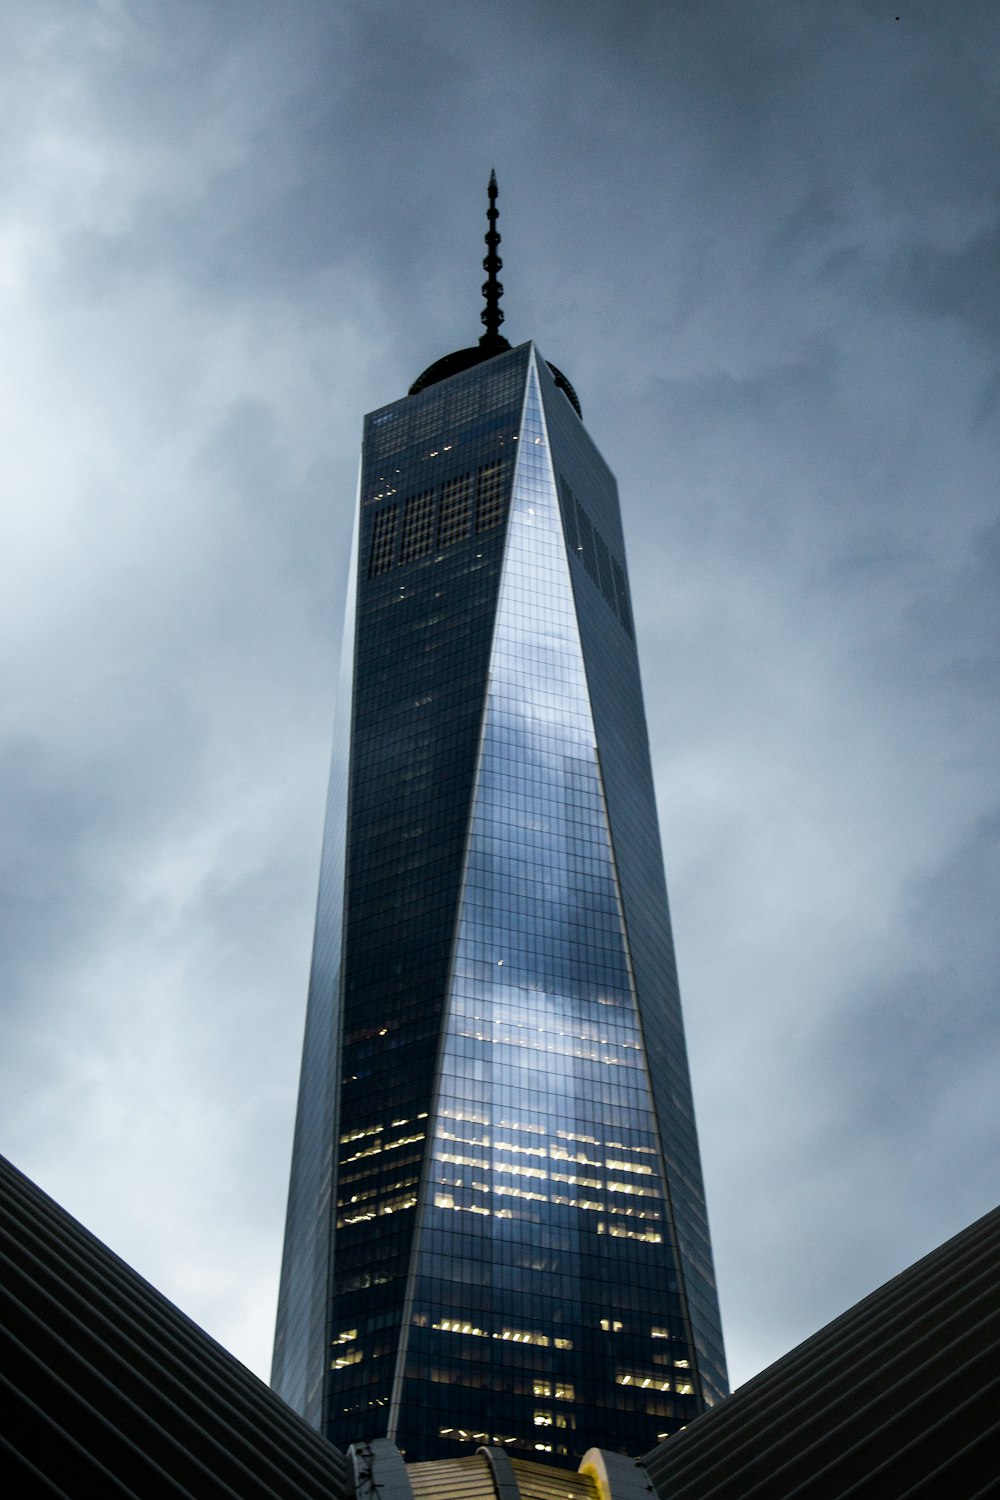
493 1475
109 1390
898 1397
452 1479
539 1482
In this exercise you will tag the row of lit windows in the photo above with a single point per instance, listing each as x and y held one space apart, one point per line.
459 1152
616 1230
512 1335
653 1382
530 1128
543 1416
363 1215
591 1205
554 1153
466 1435
379 1189
504 1190
368 1170
543 1385
537 1176
362 1132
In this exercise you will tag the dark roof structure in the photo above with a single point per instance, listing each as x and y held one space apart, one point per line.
897 1398
109 1390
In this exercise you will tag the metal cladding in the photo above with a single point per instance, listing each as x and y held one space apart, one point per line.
109 1390
492 1474
898 1397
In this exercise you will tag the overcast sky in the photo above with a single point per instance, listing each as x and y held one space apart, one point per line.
762 241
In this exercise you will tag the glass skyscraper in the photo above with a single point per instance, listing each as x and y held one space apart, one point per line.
496 1227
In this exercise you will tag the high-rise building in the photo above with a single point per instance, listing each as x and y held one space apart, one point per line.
496 1226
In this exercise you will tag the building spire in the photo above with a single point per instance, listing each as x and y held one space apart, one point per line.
492 313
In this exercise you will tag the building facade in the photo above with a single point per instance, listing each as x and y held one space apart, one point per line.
496 1229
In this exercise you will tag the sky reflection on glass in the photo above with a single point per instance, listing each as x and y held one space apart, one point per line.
545 1239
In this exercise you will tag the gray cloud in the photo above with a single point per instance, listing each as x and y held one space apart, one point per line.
761 241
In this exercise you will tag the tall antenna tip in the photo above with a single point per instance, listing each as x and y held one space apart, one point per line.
492 313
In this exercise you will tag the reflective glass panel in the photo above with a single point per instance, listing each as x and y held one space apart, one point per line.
544 1259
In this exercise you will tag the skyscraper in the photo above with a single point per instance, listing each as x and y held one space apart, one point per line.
496 1226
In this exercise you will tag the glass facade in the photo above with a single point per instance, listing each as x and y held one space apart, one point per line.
496 1224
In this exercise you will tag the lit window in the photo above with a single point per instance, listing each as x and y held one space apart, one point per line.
644 1382
349 1357
452 1325
619 1232
523 1336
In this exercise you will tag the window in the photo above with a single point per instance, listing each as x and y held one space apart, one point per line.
587 542
383 541
454 520
624 609
604 566
418 526
349 1357
491 495
569 514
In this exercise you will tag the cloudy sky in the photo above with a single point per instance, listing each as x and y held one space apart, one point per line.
762 240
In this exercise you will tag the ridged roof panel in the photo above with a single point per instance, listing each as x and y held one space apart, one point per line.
897 1397
110 1389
